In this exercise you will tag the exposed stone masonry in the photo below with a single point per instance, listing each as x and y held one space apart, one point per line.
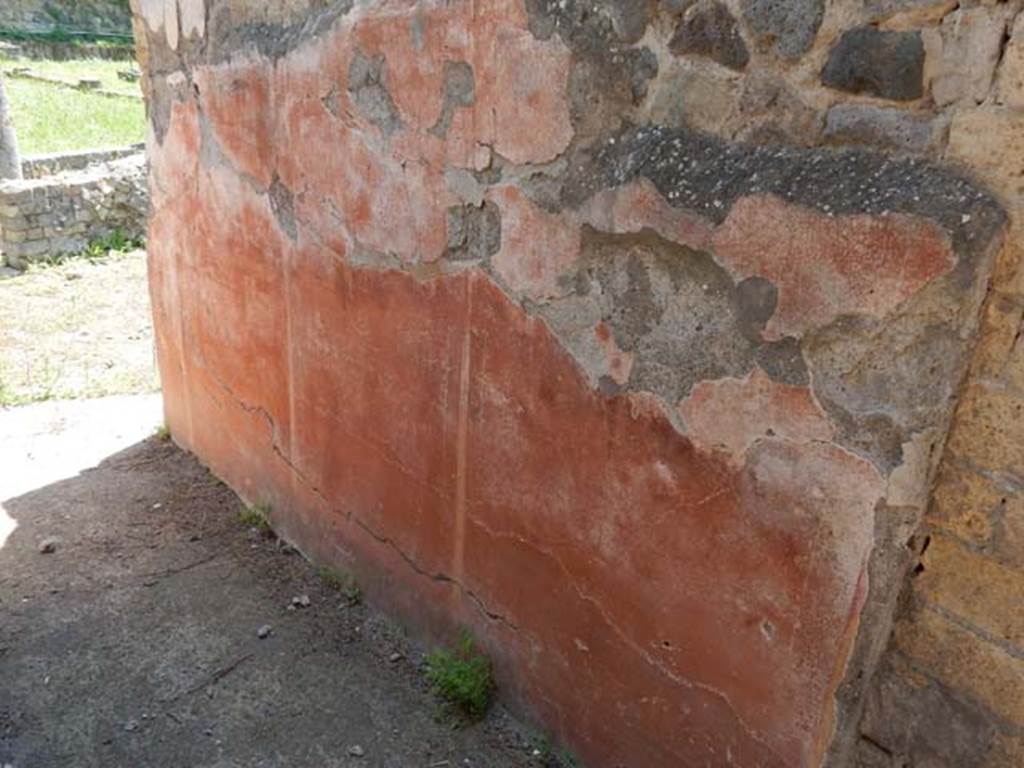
61 214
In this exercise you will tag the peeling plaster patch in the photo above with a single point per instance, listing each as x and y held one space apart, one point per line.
909 483
732 414
236 101
823 495
825 267
639 205
523 96
881 383
171 23
537 248
193 17
672 308
154 13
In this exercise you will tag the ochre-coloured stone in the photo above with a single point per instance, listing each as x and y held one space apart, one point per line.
827 266
1010 79
974 588
964 661
965 503
972 41
990 429
1000 329
989 140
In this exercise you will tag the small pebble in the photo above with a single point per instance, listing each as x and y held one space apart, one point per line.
302 601
395 657
49 546
356 751
131 725
264 631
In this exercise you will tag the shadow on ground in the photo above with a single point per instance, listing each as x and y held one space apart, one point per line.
135 642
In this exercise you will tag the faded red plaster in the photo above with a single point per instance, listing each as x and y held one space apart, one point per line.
639 205
522 107
173 171
827 266
655 602
620 534
730 415
238 102
537 247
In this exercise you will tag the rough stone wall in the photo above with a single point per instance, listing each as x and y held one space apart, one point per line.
103 16
950 690
41 166
62 214
626 333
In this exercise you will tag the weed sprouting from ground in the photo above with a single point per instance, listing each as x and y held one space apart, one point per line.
549 756
162 433
256 516
462 677
344 583
117 242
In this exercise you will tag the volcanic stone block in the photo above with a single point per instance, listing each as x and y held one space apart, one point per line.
876 62
708 29
787 28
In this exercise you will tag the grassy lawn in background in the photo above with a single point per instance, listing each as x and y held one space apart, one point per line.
81 328
81 69
49 118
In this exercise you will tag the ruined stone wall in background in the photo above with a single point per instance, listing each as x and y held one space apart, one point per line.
46 216
102 16
627 334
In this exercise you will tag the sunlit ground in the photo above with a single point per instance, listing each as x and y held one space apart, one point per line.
51 441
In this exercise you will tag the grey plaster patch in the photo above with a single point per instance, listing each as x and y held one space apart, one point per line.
883 381
225 36
677 311
459 90
370 95
474 232
282 203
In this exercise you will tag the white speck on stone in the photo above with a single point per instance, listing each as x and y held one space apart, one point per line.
264 631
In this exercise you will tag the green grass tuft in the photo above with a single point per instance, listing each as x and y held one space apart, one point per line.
462 677
162 433
256 516
341 582
117 243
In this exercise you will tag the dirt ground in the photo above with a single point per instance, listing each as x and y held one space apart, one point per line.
135 643
78 329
